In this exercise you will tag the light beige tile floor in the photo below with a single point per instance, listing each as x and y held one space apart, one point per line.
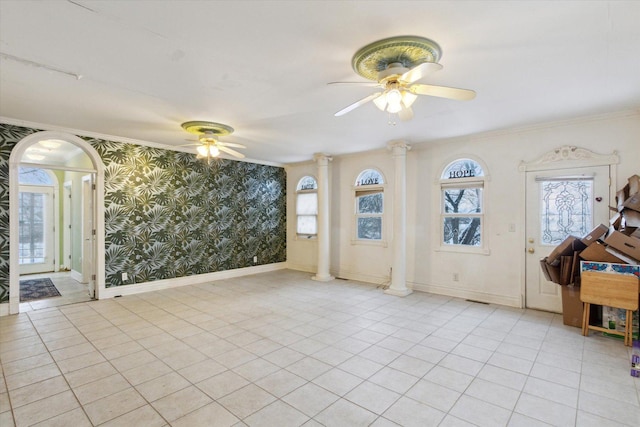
278 349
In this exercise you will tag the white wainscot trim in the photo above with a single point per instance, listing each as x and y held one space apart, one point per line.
197 279
514 301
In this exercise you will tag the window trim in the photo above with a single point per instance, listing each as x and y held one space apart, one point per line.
457 183
305 236
371 189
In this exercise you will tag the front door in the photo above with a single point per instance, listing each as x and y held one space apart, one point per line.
559 203
35 213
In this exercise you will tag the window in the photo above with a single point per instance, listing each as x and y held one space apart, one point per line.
462 215
307 207
369 195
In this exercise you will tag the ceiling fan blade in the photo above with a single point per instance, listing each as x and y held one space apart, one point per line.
443 92
419 71
357 104
364 84
230 151
190 145
405 114
230 144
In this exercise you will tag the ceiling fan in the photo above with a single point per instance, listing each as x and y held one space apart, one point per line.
397 64
209 144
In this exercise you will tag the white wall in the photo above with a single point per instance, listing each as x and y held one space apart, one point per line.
495 277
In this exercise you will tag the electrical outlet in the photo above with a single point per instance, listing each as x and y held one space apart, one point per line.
255 259
125 277
455 277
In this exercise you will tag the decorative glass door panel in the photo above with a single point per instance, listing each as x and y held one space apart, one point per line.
566 208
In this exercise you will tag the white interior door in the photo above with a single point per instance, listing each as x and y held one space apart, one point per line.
65 262
88 236
559 203
36 234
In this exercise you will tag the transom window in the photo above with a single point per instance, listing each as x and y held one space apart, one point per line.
462 213
369 198
307 207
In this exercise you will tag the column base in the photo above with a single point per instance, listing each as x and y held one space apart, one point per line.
322 278
398 292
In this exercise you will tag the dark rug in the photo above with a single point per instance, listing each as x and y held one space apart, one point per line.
35 289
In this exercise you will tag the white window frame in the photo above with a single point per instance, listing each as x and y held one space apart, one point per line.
463 183
360 189
299 191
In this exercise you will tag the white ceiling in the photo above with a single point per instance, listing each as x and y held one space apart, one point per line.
263 67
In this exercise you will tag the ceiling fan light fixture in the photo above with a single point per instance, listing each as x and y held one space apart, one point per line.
394 101
398 64
381 102
208 134
408 98
202 150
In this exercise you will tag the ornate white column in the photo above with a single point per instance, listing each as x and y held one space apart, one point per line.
322 273
398 284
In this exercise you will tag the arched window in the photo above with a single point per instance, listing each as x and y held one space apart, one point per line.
462 214
369 198
307 207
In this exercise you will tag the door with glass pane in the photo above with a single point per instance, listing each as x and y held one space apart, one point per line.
560 203
36 228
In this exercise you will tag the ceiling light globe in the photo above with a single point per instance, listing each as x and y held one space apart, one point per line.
202 150
394 99
214 151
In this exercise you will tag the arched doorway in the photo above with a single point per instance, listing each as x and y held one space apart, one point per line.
96 237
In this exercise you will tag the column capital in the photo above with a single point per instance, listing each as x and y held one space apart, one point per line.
322 158
398 146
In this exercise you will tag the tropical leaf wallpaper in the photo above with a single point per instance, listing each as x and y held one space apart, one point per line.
168 214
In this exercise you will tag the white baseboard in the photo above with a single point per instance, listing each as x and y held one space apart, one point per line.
116 291
301 267
4 309
359 277
76 276
467 294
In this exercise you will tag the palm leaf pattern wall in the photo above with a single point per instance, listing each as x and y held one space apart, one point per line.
168 214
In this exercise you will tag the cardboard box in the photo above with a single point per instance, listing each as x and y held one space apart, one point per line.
570 245
595 234
631 218
634 184
598 252
621 196
551 272
633 202
571 306
629 246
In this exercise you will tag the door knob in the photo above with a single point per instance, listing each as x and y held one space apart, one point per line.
531 250
530 239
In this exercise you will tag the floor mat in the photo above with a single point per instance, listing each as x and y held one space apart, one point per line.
34 289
